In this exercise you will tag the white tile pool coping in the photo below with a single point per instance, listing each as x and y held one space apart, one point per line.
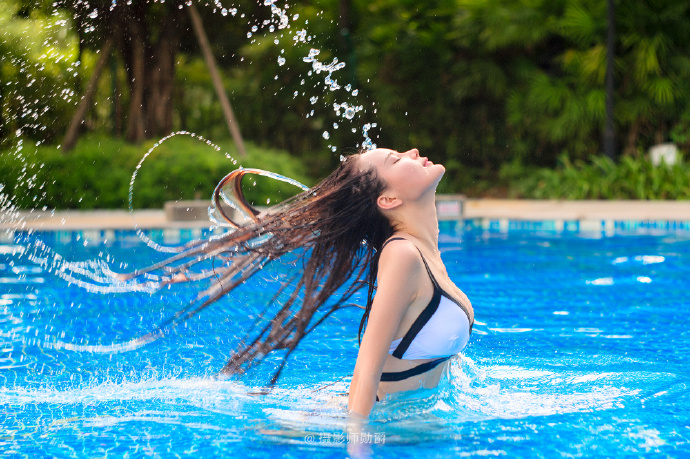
577 210
585 212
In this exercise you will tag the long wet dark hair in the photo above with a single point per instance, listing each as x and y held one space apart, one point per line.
336 226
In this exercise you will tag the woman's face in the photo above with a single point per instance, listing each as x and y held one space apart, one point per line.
406 174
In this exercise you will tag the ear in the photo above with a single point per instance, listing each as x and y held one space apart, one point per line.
388 202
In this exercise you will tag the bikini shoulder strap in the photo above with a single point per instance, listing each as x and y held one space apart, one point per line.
428 270
392 239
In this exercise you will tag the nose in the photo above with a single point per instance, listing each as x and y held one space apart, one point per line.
414 153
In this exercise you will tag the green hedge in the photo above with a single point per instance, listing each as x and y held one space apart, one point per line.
599 178
97 173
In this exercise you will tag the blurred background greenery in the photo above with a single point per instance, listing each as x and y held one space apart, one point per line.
508 94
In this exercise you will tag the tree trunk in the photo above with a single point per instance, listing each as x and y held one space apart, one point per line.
117 101
73 130
631 147
136 130
609 132
660 134
233 127
147 38
161 80
346 39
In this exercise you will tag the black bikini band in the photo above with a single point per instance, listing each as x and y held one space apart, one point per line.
418 370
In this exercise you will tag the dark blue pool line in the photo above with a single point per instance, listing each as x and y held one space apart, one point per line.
575 226
180 235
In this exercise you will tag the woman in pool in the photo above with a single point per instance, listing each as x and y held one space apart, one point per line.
373 219
418 317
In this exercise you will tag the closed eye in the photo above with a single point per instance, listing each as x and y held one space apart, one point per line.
394 155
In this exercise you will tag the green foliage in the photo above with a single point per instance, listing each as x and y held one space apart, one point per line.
273 101
478 85
435 88
599 178
37 55
680 134
555 55
97 173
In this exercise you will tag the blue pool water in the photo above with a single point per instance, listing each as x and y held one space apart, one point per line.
579 349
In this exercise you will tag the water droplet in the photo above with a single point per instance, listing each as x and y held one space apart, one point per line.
310 57
326 135
281 61
295 17
254 28
355 92
268 201
335 125
313 99
271 28
224 11
93 14
249 35
349 113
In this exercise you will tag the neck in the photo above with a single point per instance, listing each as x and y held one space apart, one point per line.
419 219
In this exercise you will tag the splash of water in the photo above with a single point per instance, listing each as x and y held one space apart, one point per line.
96 275
130 197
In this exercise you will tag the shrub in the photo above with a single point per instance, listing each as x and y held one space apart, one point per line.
97 173
600 178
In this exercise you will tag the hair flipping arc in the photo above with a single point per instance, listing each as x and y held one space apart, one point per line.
338 230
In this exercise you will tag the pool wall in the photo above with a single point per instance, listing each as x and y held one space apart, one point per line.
492 213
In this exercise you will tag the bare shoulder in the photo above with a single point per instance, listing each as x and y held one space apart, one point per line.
398 278
400 256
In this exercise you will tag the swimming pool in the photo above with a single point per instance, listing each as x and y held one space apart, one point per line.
579 349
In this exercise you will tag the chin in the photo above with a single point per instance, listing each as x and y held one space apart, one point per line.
441 172
440 168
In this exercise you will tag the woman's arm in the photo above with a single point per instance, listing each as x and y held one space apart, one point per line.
397 286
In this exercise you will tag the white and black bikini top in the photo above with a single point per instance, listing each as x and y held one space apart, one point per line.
442 329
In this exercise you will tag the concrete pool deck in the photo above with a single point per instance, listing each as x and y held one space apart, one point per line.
490 209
